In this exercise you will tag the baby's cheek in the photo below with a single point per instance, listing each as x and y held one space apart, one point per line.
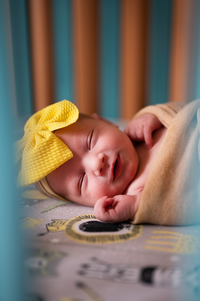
105 190
100 190
98 193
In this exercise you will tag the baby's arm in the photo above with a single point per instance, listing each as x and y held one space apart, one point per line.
117 209
142 127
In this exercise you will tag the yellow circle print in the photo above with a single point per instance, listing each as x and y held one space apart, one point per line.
87 229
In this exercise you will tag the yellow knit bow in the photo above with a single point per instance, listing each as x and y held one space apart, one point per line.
40 151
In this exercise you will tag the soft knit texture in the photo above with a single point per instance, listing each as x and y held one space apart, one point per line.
40 151
171 195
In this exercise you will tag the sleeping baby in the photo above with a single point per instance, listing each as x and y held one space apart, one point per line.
88 160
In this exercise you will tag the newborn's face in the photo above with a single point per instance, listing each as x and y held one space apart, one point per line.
104 162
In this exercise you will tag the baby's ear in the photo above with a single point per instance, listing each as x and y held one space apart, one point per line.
96 116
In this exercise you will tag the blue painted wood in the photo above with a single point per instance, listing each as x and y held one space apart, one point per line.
10 251
62 36
21 56
159 51
109 11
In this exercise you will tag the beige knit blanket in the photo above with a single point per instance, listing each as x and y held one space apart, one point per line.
172 192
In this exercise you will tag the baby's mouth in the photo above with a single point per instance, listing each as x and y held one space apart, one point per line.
117 168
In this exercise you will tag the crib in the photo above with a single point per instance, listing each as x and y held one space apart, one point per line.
112 57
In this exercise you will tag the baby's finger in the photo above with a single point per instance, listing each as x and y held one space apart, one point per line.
140 133
148 138
135 134
101 209
129 132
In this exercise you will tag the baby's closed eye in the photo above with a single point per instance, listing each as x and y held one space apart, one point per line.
89 141
80 181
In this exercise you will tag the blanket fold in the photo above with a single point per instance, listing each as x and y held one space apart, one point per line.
171 195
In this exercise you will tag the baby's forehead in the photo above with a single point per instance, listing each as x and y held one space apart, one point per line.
81 127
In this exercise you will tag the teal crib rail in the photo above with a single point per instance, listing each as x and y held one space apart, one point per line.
10 249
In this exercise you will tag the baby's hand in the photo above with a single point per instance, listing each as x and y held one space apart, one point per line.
142 127
116 209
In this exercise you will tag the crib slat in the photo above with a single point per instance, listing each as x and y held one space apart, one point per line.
195 80
85 45
41 53
180 51
133 56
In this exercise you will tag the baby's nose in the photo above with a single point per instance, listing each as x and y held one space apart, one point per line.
99 164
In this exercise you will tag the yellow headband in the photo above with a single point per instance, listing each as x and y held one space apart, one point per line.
40 151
